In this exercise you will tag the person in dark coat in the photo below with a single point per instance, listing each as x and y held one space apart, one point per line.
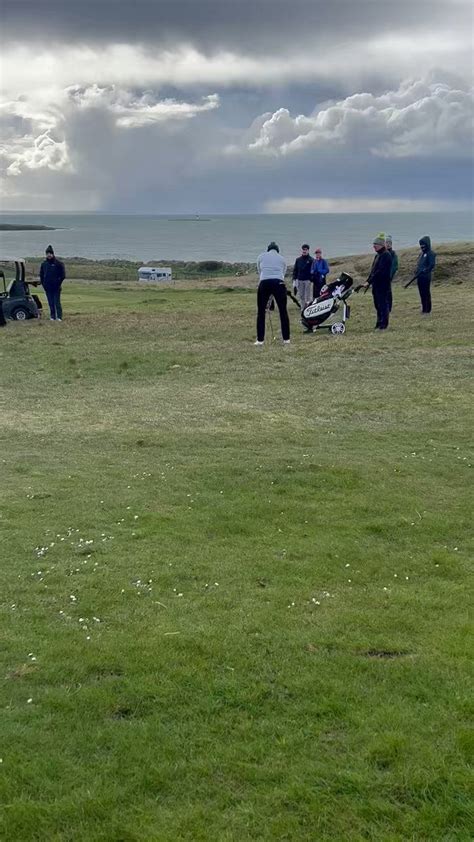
424 269
379 280
302 282
52 275
394 269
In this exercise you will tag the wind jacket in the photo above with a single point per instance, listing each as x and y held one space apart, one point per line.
271 266
380 271
320 269
394 269
52 272
302 268
426 261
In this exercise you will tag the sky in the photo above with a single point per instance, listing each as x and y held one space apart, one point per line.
236 106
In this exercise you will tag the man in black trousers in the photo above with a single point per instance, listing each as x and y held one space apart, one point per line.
271 268
379 280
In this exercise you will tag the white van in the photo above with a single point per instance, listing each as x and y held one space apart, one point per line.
154 273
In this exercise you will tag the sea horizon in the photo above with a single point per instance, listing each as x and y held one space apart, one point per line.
100 235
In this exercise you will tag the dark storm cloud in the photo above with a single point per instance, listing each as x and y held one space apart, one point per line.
240 25
218 104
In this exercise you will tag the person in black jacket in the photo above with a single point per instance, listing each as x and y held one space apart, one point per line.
302 277
52 274
379 280
426 264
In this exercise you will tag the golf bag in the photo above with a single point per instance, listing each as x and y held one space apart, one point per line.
329 301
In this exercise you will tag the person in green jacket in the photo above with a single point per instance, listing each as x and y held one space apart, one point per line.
394 269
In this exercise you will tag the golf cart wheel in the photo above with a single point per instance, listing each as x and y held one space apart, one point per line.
338 327
20 314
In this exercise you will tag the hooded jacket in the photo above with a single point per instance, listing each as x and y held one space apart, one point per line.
426 261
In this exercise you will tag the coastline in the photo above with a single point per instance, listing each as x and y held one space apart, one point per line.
6 226
455 262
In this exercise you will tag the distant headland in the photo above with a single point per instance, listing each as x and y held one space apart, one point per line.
7 227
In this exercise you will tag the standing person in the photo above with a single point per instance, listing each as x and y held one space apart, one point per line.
319 271
52 274
379 280
426 264
271 268
394 269
302 284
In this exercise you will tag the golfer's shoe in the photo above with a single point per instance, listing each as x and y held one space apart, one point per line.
286 342
258 342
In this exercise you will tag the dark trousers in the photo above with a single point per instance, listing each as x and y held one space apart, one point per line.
425 294
381 295
267 288
318 283
390 298
53 294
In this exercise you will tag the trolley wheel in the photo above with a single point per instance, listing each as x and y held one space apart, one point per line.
338 327
20 314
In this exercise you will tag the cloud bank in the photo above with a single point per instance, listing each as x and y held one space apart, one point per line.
221 107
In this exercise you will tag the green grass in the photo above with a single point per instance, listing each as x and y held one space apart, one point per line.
267 636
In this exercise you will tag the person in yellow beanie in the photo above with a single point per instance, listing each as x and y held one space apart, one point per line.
379 280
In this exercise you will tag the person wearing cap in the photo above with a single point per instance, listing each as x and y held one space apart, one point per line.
319 272
379 280
52 275
394 269
302 283
271 267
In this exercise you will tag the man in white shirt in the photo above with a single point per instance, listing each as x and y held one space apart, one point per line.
271 269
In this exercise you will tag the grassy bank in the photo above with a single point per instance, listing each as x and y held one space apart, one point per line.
234 600
454 263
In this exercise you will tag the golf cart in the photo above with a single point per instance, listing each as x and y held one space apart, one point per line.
16 300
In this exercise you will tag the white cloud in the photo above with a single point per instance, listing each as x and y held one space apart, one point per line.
34 153
419 119
294 204
131 111
385 55
44 145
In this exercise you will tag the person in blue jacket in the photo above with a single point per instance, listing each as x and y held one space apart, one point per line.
426 264
52 275
319 272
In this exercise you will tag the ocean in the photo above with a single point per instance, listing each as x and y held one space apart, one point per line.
231 238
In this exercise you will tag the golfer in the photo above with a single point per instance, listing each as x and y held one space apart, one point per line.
271 269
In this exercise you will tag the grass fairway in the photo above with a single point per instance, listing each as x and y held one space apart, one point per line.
234 580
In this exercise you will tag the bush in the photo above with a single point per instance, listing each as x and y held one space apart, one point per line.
210 266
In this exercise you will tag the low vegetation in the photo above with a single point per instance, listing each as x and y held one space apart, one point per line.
234 580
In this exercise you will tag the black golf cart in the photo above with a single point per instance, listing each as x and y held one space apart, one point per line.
16 300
